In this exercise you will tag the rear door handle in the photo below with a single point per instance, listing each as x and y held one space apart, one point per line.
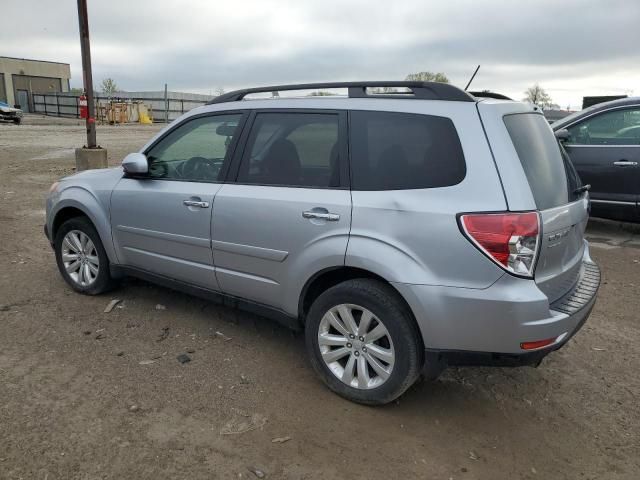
625 163
330 217
196 203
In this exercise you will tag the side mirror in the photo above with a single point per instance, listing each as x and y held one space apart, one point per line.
562 135
135 164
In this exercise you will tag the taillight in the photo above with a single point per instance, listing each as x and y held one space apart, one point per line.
510 239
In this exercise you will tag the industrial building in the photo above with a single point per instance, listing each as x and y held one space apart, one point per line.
20 78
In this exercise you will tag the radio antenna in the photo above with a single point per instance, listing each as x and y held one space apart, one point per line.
472 77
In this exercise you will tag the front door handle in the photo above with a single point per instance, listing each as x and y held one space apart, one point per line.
196 203
625 163
330 217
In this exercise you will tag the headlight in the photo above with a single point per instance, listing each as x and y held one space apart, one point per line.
54 187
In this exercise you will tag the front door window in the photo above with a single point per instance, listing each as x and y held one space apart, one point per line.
195 151
616 127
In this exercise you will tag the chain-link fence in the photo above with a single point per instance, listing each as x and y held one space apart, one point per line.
65 105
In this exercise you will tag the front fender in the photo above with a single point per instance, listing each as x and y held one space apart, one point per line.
82 199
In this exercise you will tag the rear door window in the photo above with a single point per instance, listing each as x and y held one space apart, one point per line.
400 151
292 149
541 159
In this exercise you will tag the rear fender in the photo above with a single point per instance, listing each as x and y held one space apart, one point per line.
322 254
386 260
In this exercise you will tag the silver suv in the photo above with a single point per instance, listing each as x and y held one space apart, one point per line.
403 231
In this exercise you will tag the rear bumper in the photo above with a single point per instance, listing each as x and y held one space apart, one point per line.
487 327
496 359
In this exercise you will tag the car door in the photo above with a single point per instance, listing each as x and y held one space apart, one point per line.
161 222
288 214
605 149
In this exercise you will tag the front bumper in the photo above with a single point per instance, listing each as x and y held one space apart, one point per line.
486 327
46 234
10 116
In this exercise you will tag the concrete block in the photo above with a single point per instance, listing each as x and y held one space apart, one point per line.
90 158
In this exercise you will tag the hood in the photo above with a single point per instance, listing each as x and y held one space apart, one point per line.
6 108
113 172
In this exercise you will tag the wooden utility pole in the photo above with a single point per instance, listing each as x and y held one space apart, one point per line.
90 156
87 76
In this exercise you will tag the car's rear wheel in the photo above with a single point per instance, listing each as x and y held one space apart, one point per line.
363 341
81 257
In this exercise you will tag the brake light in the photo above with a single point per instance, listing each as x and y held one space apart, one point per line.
509 239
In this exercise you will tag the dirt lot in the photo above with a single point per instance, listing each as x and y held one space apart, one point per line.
76 402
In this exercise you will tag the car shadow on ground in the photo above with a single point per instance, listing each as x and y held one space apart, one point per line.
456 387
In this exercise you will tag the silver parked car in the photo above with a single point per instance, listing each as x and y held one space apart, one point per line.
403 231
10 114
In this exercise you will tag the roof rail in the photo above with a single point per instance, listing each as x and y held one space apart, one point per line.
420 90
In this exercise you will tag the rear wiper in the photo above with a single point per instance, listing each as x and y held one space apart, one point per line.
582 189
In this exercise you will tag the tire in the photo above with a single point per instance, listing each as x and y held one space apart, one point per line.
402 342
17 121
95 283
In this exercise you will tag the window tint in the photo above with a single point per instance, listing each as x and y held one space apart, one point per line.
540 157
195 150
296 149
574 182
617 127
394 151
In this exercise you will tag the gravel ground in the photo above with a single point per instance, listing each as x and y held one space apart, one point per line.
86 394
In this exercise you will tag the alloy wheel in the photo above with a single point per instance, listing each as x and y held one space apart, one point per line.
356 346
80 258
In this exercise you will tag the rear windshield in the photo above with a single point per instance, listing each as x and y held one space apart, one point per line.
541 158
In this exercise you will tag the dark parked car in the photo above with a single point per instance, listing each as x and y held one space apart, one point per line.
603 142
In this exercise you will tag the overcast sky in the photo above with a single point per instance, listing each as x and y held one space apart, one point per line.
570 47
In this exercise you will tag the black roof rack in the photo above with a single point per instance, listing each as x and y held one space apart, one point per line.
420 90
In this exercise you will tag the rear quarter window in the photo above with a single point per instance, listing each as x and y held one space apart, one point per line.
541 159
400 151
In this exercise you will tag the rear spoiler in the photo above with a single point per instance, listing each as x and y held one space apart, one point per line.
487 94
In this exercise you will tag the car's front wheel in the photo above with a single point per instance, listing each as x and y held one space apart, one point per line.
363 341
81 258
